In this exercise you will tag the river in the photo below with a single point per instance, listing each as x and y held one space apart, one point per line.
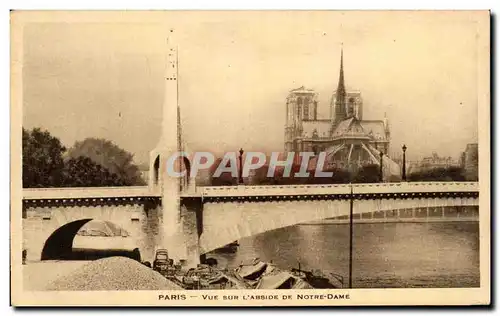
390 255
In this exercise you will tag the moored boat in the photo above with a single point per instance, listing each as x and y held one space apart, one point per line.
282 280
262 275
256 274
229 248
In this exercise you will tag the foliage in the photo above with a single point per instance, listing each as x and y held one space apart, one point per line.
224 179
339 176
367 174
438 174
261 178
110 157
83 172
42 156
93 162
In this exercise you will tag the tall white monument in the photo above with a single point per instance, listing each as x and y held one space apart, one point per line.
176 235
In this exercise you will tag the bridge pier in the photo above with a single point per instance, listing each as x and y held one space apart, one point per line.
181 234
192 225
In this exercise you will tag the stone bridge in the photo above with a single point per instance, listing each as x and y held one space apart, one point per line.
231 213
189 221
52 217
210 217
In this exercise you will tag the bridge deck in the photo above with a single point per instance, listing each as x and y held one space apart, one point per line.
250 190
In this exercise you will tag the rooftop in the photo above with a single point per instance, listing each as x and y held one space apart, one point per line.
302 89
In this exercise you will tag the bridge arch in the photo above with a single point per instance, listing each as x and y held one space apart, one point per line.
224 222
60 244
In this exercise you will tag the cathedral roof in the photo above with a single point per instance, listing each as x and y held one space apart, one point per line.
343 127
302 89
349 92
322 128
349 128
375 129
352 127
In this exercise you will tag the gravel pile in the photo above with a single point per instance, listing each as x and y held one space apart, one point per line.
112 274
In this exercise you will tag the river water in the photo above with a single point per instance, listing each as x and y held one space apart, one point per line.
389 255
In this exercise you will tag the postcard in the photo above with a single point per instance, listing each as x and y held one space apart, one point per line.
250 158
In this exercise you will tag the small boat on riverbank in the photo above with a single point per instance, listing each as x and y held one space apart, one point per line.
229 248
282 280
263 275
256 274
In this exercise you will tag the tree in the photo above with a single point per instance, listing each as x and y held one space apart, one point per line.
110 157
339 176
439 174
42 157
261 178
93 162
367 174
226 178
83 172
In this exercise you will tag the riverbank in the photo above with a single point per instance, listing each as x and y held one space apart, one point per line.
107 274
335 221
385 255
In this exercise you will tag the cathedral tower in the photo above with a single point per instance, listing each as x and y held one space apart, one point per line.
301 105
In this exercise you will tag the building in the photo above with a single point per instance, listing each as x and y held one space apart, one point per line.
471 162
350 141
433 162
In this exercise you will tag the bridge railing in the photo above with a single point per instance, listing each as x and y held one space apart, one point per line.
318 189
409 187
89 192
263 190
257 190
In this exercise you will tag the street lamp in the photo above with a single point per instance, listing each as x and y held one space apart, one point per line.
404 163
381 166
240 180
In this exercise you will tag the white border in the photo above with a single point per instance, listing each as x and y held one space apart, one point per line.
148 4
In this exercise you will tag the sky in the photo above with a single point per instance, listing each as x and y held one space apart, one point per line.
102 75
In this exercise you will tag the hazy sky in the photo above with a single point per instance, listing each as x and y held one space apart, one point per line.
105 78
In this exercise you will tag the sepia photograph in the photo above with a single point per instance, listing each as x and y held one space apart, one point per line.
250 158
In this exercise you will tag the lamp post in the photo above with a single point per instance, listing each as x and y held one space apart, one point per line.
404 163
381 167
240 178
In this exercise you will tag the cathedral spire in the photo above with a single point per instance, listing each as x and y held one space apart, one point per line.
340 97
341 86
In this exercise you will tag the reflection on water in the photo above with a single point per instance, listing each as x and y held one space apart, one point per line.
385 255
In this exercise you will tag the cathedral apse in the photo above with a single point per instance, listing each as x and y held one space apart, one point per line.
350 141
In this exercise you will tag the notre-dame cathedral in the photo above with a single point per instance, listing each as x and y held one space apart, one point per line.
349 141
